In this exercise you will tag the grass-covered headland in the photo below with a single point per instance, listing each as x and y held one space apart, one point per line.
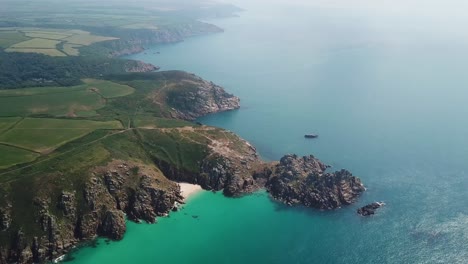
88 140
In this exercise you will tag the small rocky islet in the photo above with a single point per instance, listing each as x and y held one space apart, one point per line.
369 209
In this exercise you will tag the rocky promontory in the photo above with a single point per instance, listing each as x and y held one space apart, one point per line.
201 98
89 187
304 181
139 66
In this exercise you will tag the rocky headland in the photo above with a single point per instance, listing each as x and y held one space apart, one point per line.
49 208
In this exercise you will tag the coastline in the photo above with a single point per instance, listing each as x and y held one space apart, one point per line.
188 190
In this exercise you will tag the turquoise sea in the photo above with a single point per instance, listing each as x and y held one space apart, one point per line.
384 84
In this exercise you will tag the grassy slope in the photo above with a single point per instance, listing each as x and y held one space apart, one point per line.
60 101
12 156
45 134
150 140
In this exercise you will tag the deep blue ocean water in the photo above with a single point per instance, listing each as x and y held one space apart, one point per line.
385 85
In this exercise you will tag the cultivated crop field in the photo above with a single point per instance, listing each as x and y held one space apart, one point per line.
46 134
13 155
24 138
73 101
52 42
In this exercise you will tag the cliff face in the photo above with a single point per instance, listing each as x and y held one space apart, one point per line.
87 191
199 98
139 66
139 191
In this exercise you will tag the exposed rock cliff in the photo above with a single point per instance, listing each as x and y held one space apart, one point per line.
114 190
199 98
139 66
297 180
88 191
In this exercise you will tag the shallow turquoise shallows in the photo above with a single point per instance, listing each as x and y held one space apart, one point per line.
383 83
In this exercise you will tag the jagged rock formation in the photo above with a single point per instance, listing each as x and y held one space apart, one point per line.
297 180
5 218
134 171
114 190
370 209
139 66
198 98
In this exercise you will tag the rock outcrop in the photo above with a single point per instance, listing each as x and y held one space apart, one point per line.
136 177
199 98
5 218
139 66
114 190
304 181
369 209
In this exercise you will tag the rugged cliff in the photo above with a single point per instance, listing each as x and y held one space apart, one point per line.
109 193
195 98
88 187
139 66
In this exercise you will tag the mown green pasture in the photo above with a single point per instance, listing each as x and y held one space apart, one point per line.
148 121
71 49
37 43
45 35
46 134
8 38
7 122
86 39
109 89
12 156
81 100
63 103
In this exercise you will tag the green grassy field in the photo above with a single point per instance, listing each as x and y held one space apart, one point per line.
12 156
86 39
65 103
80 100
7 122
109 89
155 122
45 134
71 49
45 35
37 43
9 38
45 41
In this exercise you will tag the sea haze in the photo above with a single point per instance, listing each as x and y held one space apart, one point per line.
383 83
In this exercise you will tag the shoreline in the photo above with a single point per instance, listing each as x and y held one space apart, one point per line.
188 190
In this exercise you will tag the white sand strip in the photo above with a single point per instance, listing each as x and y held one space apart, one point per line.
187 189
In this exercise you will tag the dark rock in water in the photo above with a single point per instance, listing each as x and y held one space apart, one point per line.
369 209
303 181
195 216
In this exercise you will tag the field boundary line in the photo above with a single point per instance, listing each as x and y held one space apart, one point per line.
19 147
60 155
12 126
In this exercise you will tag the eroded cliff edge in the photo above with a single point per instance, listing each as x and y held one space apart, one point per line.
87 188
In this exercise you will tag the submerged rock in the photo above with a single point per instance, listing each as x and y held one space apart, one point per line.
369 209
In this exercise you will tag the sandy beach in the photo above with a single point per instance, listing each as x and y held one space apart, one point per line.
188 189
